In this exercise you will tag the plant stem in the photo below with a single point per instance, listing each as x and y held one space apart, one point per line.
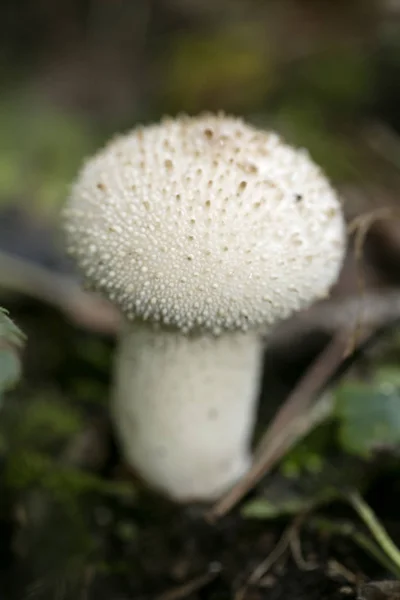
378 531
347 529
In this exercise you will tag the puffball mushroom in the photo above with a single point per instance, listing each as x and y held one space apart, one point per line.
205 232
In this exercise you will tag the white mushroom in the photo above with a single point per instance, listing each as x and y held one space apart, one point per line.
205 232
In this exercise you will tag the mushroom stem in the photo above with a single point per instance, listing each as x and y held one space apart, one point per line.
185 407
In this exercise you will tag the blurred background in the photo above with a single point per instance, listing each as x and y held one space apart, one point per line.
324 73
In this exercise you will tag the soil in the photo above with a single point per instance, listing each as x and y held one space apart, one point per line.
176 554
149 549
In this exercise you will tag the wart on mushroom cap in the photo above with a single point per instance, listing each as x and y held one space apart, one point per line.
202 225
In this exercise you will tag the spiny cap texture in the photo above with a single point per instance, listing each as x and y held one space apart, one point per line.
205 223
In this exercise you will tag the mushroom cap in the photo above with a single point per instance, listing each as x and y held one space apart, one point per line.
205 223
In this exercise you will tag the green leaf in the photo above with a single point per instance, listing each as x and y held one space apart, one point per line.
309 455
10 369
263 508
11 340
283 496
369 416
9 332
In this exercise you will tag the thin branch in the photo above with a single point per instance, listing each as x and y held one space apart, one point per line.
62 291
262 569
291 423
378 307
187 589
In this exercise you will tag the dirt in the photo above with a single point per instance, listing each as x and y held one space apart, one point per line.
152 550
184 558
146 548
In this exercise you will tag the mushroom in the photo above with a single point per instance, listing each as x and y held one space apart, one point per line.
205 232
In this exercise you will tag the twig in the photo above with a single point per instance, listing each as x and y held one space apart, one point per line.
361 226
336 568
62 291
378 308
299 401
384 141
262 569
379 590
183 591
297 553
291 423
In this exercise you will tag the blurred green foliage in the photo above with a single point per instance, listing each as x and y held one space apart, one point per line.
67 484
369 414
11 342
41 148
37 434
45 422
340 77
226 69
303 123
283 496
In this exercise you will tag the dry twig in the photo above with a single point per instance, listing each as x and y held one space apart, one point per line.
262 569
62 291
378 308
291 423
183 591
